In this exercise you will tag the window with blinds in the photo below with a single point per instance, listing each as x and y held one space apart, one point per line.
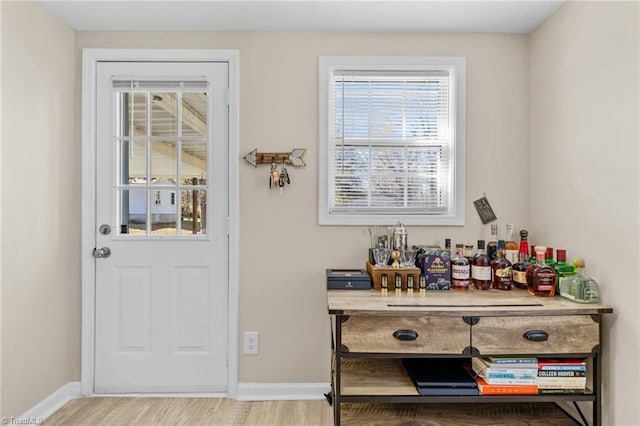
392 143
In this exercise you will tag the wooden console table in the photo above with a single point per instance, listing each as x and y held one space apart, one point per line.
366 364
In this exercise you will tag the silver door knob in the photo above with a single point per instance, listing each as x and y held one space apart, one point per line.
101 252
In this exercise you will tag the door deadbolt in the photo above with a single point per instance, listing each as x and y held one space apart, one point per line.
100 253
105 229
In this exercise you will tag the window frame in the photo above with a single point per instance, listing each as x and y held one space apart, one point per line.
328 65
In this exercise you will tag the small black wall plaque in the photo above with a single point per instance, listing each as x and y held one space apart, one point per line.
484 210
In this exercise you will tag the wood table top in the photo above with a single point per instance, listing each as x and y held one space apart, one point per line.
471 302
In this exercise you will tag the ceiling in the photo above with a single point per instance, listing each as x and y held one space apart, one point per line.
516 16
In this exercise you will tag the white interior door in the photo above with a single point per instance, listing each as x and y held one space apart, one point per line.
161 211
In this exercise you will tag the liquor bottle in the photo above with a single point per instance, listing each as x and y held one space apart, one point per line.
501 270
510 246
492 246
541 278
447 245
519 268
580 287
468 252
548 257
473 259
481 268
533 259
563 269
460 270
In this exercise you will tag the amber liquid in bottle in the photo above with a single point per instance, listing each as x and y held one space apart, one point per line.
510 246
460 271
519 268
481 269
541 278
501 270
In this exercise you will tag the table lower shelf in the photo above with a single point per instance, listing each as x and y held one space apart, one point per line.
385 380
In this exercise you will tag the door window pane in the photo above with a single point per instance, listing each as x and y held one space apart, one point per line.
164 114
139 114
194 212
194 162
163 213
132 114
133 211
194 114
163 162
133 162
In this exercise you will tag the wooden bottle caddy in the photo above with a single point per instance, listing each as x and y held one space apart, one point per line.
376 276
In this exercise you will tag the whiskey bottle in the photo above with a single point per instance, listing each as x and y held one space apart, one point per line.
460 270
519 268
501 270
541 278
510 246
563 269
492 246
481 268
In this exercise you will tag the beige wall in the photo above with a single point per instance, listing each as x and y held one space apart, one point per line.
284 252
40 209
584 175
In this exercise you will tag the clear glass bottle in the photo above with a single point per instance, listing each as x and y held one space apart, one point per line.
510 246
541 278
519 268
501 270
460 271
492 246
563 269
580 287
481 268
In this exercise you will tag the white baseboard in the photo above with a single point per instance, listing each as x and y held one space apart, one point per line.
53 402
281 391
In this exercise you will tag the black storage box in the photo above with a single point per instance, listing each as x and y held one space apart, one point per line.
348 279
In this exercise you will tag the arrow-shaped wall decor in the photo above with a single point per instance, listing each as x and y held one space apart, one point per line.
294 157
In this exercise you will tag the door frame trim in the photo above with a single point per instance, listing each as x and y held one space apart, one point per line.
90 59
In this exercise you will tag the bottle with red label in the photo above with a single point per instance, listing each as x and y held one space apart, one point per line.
541 278
520 267
460 270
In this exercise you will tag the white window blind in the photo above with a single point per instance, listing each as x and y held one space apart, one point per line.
392 144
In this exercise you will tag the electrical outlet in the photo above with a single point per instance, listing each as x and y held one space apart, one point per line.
251 342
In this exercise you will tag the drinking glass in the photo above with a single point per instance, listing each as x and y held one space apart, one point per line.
381 256
408 259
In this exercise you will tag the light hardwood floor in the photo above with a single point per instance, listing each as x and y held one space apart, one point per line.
221 411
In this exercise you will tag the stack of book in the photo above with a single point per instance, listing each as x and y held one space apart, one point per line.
559 376
506 376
